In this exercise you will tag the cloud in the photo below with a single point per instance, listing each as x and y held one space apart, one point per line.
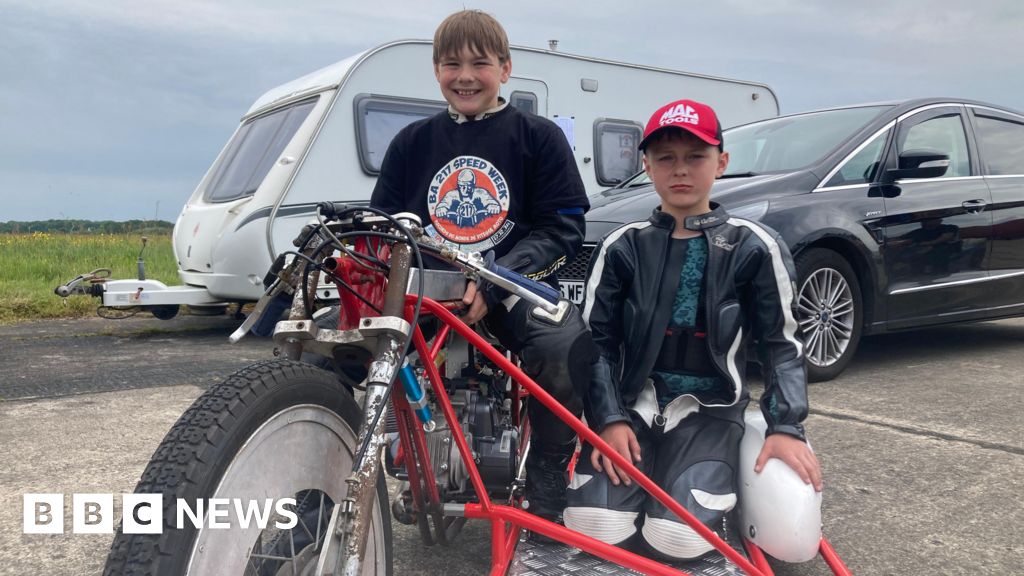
118 96
35 195
315 21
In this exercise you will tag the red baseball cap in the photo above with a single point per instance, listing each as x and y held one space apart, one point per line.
696 118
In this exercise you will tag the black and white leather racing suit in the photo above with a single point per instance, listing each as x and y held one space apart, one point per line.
748 288
690 445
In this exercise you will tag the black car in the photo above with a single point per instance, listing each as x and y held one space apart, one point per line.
899 215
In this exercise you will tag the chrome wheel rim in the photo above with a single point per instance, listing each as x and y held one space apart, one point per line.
301 452
826 315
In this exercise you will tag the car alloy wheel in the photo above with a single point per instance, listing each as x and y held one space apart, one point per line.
828 311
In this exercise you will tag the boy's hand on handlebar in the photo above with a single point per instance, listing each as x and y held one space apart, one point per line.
622 439
476 307
795 453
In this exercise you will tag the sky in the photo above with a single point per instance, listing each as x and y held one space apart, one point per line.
115 109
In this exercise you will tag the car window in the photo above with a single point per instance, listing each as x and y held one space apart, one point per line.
790 143
1001 143
944 134
862 166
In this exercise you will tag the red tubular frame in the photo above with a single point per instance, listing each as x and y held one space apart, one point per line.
757 556
503 536
828 554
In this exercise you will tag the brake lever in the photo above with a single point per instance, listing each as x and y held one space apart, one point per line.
257 312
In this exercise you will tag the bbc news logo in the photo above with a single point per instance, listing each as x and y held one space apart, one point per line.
144 513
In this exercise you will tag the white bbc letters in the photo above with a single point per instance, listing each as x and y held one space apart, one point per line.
92 513
43 513
142 513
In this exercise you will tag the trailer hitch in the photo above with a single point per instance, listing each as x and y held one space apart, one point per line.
77 284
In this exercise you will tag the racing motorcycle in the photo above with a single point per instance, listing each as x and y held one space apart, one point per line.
389 381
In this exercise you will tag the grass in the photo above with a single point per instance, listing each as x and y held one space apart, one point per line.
32 265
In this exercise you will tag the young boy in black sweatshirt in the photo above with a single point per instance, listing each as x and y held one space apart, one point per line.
485 177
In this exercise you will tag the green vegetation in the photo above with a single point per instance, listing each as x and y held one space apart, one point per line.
87 227
33 264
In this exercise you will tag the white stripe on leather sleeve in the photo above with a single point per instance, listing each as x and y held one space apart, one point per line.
598 260
782 279
730 362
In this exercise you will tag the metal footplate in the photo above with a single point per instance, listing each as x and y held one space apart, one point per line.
555 559
322 341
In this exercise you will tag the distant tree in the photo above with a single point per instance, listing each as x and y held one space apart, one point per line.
87 227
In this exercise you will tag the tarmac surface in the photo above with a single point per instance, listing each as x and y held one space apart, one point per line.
921 441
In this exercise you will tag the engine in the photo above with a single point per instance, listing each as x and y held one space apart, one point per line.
489 432
486 422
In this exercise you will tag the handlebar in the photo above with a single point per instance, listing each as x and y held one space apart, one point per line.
283 279
541 289
476 266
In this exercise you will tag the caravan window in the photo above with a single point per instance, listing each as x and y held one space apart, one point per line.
525 101
253 151
378 120
615 153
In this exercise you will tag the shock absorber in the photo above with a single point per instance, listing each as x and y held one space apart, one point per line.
416 397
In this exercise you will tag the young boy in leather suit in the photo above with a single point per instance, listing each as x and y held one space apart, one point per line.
672 303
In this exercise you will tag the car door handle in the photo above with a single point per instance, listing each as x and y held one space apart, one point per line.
975 206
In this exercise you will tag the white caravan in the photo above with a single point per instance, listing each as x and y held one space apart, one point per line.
323 136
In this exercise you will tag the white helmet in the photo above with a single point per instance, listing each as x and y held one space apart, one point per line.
778 512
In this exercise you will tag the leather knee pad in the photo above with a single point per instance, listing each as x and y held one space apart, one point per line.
707 490
600 509
673 539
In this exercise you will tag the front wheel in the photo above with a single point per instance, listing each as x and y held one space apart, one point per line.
271 431
829 310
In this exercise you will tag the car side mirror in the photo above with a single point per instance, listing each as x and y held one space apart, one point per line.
919 164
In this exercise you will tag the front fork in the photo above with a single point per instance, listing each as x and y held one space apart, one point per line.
350 524
352 517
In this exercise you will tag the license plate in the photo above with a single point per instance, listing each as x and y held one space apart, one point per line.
572 291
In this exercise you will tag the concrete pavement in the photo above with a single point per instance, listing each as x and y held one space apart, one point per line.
921 441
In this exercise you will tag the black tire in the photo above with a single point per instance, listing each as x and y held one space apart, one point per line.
221 436
207 310
164 312
830 311
327 319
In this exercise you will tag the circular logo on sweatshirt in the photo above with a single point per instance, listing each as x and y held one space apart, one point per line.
468 203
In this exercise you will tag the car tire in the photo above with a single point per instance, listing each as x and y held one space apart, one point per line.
830 311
